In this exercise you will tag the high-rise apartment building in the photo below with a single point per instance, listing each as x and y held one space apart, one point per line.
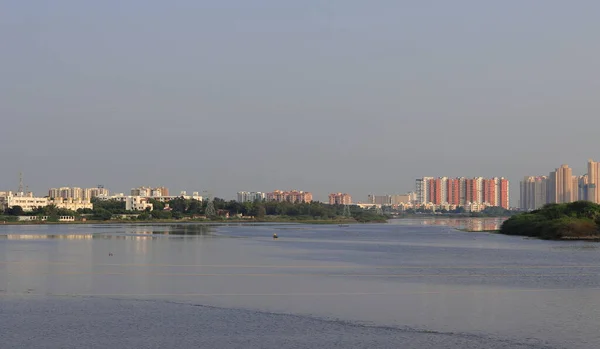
583 188
453 190
385 200
503 196
560 185
489 192
422 190
472 190
463 191
250 196
150 192
294 196
90 193
340 199
593 181
76 193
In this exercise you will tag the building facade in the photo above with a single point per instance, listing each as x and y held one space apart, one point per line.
463 191
71 204
593 181
77 193
560 185
149 191
251 196
293 196
340 199
26 201
137 203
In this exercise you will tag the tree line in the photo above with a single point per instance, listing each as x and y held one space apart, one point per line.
556 221
180 207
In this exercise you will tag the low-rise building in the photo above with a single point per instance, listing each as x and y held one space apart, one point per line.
71 204
137 203
26 201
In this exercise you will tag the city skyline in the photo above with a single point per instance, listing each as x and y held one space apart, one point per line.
560 186
345 96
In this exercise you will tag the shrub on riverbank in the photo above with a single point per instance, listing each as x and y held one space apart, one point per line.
580 219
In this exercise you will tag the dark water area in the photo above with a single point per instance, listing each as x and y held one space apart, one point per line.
406 284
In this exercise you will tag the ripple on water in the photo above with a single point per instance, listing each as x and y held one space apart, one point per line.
115 323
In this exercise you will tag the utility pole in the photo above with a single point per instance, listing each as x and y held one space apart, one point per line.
347 211
210 206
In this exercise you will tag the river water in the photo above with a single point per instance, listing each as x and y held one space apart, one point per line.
405 284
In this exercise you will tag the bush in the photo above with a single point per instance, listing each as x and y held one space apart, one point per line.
556 221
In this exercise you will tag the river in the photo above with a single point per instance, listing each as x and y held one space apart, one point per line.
406 284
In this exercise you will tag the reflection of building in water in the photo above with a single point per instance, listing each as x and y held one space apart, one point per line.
474 224
49 236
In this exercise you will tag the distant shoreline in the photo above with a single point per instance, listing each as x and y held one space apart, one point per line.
174 221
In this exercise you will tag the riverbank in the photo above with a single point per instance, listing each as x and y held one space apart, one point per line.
191 221
578 220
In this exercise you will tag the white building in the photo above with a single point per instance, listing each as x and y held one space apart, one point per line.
25 200
137 203
250 196
71 204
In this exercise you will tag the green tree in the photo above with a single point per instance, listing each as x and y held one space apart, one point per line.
15 211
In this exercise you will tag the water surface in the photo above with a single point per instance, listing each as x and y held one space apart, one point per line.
402 284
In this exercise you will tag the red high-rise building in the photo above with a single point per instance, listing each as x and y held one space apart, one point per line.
489 192
503 189
453 190
435 191
472 190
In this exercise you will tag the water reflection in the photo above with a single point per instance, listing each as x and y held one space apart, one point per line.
123 232
175 229
469 224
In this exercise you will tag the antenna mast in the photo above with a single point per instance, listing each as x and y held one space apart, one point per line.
20 182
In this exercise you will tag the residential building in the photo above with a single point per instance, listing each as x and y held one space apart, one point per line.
294 196
453 190
560 185
503 193
593 181
250 196
137 203
398 199
149 191
76 193
489 192
583 188
340 199
422 190
90 193
462 191
382 200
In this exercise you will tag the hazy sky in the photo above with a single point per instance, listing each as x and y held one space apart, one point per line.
339 95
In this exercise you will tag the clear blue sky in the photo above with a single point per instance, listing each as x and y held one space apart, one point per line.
340 95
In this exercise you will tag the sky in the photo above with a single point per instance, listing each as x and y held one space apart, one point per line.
316 95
